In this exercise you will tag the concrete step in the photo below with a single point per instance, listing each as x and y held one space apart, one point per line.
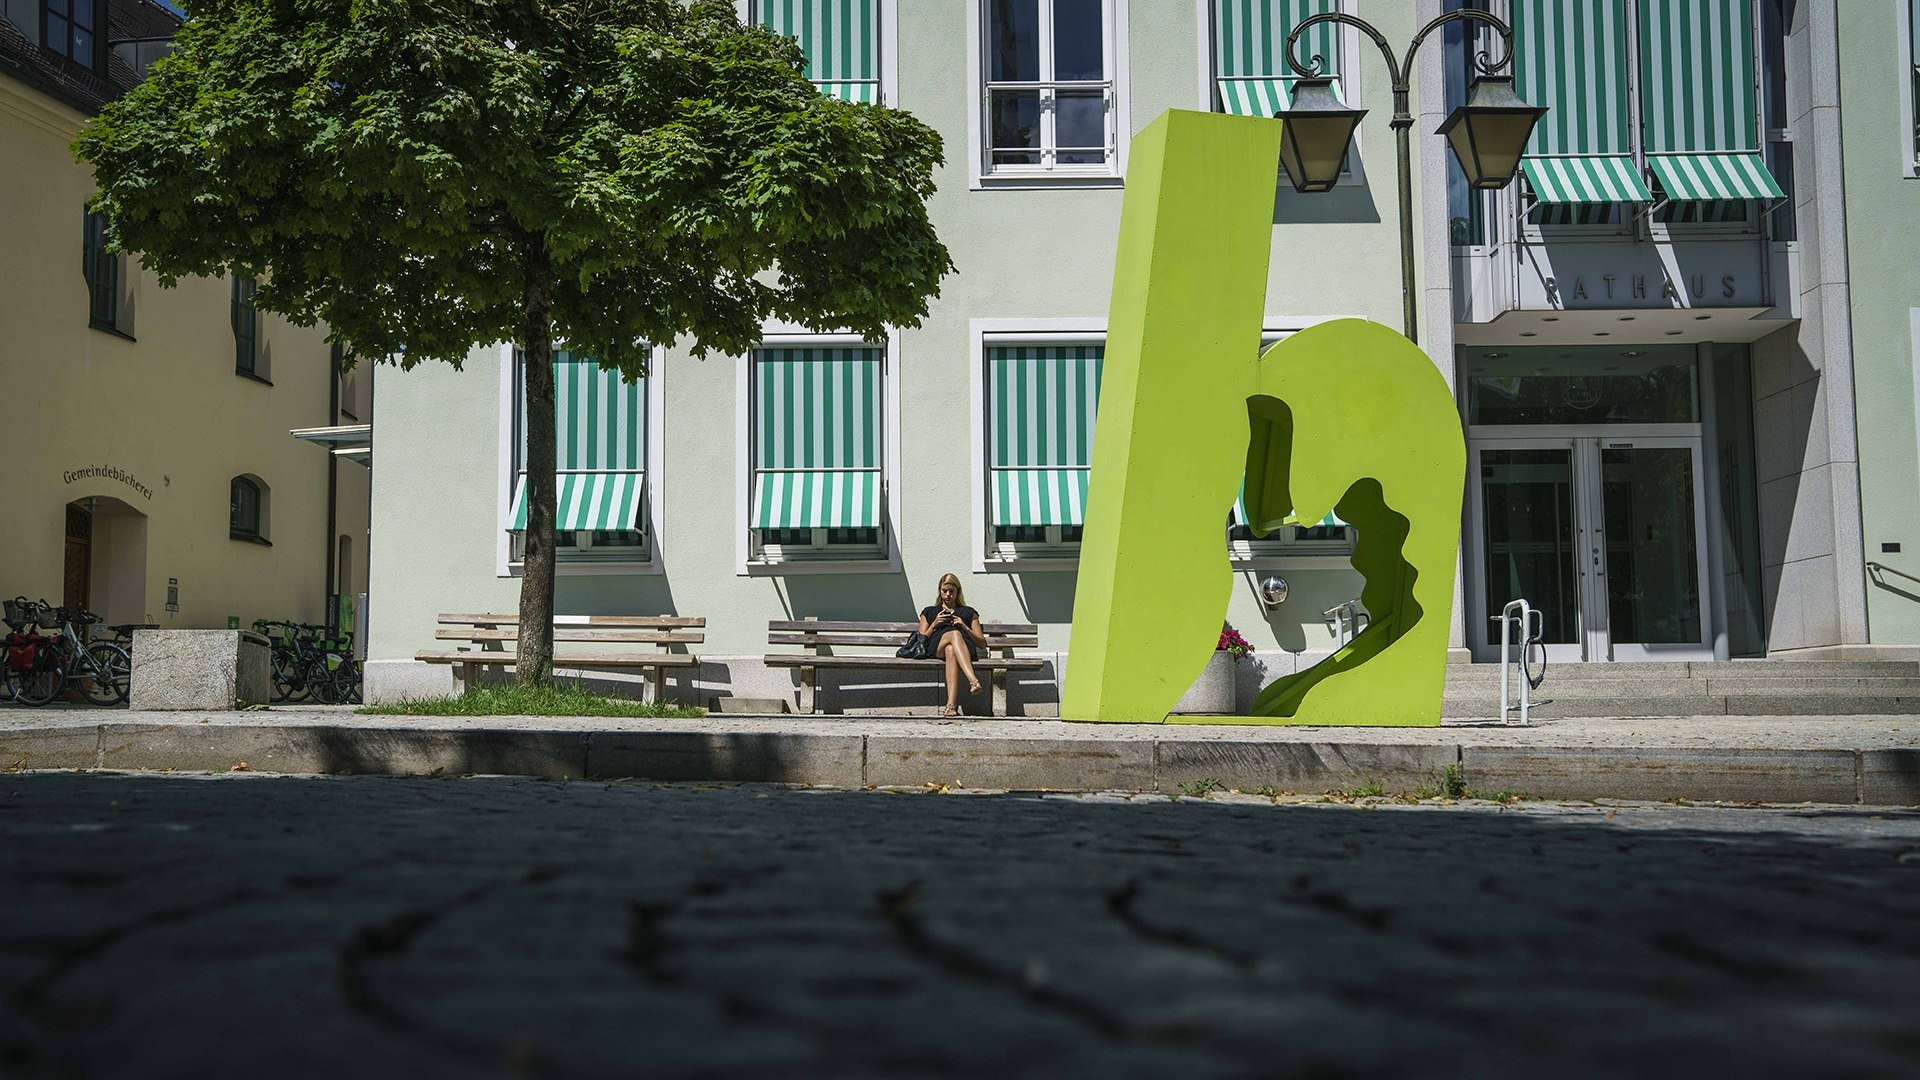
1690 669
1549 706
1708 687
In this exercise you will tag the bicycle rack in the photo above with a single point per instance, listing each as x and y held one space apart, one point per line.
1349 620
1532 628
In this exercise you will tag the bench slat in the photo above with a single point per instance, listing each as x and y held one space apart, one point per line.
642 660
664 622
571 633
1010 663
885 627
896 640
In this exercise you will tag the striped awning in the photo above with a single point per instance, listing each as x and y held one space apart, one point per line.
817 499
1697 69
1253 97
840 37
1240 514
1585 179
1250 37
587 501
862 93
1709 177
1040 496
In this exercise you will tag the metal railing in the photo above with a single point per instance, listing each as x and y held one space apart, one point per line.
1349 621
1532 626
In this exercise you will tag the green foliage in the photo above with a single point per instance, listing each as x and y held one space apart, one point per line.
1202 787
404 170
520 699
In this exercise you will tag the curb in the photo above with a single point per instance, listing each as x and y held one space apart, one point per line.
1164 763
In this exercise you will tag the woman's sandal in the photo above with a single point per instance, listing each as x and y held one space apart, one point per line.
973 688
950 711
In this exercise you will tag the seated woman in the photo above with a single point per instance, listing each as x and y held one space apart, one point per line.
953 633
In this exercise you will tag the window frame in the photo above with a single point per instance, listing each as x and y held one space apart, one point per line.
752 558
95 15
991 556
246 345
982 173
616 561
1907 45
235 531
95 257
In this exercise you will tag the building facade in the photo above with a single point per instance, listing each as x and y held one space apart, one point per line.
1624 326
150 477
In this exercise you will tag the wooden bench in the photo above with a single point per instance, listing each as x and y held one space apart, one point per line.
822 637
495 633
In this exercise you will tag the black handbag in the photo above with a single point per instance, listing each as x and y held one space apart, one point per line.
915 648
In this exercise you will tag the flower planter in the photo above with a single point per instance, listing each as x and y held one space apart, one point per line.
1212 692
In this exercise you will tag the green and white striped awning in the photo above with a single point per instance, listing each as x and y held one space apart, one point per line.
1585 179
1571 57
863 93
817 499
1697 86
1253 97
600 441
1250 37
1043 400
588 501
1711 177
1040 496
840 37
817 455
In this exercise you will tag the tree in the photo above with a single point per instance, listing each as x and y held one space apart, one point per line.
429 177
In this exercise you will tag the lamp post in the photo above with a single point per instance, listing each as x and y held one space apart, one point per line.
1488 133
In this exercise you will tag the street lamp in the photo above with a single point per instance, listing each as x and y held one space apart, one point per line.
1488 133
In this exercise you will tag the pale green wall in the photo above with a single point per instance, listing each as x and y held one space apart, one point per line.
1021 254
1883 241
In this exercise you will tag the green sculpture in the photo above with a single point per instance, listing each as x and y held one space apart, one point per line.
1346 415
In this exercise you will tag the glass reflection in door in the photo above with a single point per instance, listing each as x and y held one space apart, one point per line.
1653 560
1527 503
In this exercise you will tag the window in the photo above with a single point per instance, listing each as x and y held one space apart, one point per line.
1041 402
600 433
67 29
1913 81
1050 94
818 443
1698 128
247 513
840 37
102 269
1251 74
246 329
1042 399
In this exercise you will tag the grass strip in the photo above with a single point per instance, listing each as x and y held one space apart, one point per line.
513 699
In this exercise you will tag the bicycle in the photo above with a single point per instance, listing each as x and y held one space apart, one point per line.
103 670
308 661
31 669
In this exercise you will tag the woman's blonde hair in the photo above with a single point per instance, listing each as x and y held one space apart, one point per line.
959 594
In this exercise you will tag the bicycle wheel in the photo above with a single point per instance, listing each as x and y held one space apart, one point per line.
37 685
288 685
108 674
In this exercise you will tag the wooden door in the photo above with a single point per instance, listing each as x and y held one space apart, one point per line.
79 571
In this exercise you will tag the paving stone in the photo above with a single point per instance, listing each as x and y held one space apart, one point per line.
1890 777
1301 767
1087 764
49 748
1704 773
833 760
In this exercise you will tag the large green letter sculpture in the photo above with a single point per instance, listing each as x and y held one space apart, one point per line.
1346 415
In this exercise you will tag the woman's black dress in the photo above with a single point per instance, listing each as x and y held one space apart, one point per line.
934 634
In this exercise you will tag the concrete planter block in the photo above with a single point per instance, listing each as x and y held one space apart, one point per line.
1212 693
199 669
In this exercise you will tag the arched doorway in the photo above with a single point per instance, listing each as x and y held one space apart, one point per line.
106 559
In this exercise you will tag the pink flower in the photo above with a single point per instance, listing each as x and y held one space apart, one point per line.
1233 644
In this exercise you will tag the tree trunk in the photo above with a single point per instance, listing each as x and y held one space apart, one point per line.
536 581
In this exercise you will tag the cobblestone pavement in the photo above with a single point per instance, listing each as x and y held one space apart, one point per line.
170 926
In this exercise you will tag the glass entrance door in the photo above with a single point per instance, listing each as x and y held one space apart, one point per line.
1601 534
